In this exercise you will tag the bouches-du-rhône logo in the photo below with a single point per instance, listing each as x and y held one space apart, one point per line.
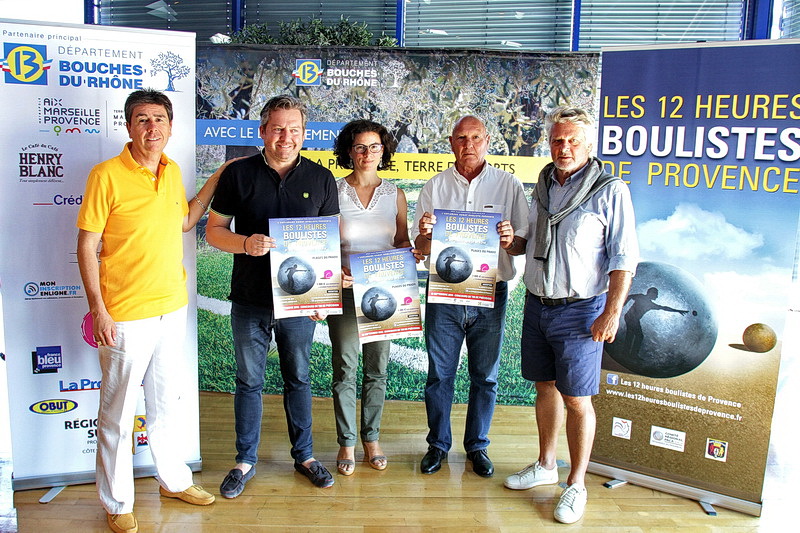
25 63
307 72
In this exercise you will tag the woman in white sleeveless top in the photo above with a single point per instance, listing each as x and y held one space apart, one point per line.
373 218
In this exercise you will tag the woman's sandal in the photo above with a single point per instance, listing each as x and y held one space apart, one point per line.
378 462
346 467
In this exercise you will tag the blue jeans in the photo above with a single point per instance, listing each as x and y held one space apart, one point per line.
252 330
446 327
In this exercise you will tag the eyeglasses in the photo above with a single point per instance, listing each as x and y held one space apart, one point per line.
362 148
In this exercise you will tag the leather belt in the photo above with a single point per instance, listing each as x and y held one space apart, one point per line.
556 301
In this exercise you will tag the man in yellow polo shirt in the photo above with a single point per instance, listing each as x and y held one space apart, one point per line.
135 204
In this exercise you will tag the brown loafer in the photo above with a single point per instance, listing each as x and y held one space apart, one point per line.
194 495
123 523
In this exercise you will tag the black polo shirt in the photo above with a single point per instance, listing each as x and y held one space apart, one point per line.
251 192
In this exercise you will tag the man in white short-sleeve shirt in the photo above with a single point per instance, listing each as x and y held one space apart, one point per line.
472 184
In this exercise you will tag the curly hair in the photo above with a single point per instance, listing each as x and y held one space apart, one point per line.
344 142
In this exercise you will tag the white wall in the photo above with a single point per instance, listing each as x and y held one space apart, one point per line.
70 11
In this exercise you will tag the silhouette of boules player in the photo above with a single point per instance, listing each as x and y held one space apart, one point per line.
642 303
290 272
374 299
447 262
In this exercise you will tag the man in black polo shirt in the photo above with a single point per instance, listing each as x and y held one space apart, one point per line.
275 183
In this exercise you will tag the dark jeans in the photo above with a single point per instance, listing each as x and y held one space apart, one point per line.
446 328
252 330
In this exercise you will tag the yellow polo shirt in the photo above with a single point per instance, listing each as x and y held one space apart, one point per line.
140 218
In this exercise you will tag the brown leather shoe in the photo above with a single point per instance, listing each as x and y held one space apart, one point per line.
194 495
123 523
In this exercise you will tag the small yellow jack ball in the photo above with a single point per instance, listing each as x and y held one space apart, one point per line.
759 338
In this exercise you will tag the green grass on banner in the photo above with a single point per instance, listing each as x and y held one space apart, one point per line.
217 365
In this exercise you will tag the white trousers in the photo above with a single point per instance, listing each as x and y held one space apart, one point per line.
148 354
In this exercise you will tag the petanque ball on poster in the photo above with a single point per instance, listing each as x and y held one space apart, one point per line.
759 338
296 276
667 327
378 304
453 265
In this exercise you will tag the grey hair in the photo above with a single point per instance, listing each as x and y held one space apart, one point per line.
463 118
573 115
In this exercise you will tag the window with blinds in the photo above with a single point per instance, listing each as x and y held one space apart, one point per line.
484 24
493 24
379 15
790 19
204 17
641 22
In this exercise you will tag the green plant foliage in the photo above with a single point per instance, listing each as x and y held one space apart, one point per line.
386 41
348 33
299 33
253 34
313 32
316 32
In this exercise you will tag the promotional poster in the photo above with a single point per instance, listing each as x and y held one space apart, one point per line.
417 94
712 158
306 266
63 87
386 295
463 260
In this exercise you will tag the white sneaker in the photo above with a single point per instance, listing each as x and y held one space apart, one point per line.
531 476
571 504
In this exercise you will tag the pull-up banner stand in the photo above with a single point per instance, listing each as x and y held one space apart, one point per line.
709 139
62 90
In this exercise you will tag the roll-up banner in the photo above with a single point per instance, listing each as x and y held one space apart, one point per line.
709 139
63 90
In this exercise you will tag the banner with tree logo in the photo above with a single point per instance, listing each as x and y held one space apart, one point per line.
63 89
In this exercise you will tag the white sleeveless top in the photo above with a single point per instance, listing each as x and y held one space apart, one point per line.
367 229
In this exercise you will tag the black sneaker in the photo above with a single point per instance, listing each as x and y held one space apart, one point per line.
234 482
317 473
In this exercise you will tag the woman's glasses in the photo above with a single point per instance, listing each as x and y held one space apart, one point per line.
362 148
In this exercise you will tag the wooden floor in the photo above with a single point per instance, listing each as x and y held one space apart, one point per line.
397 499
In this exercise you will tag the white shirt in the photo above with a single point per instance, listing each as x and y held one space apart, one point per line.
493 190
366 229
596 238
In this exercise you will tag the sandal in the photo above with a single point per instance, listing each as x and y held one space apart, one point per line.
378 462
346 467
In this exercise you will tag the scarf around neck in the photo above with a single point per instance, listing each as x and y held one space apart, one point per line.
594 179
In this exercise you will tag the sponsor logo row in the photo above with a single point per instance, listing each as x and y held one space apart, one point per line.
30 64
671 439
